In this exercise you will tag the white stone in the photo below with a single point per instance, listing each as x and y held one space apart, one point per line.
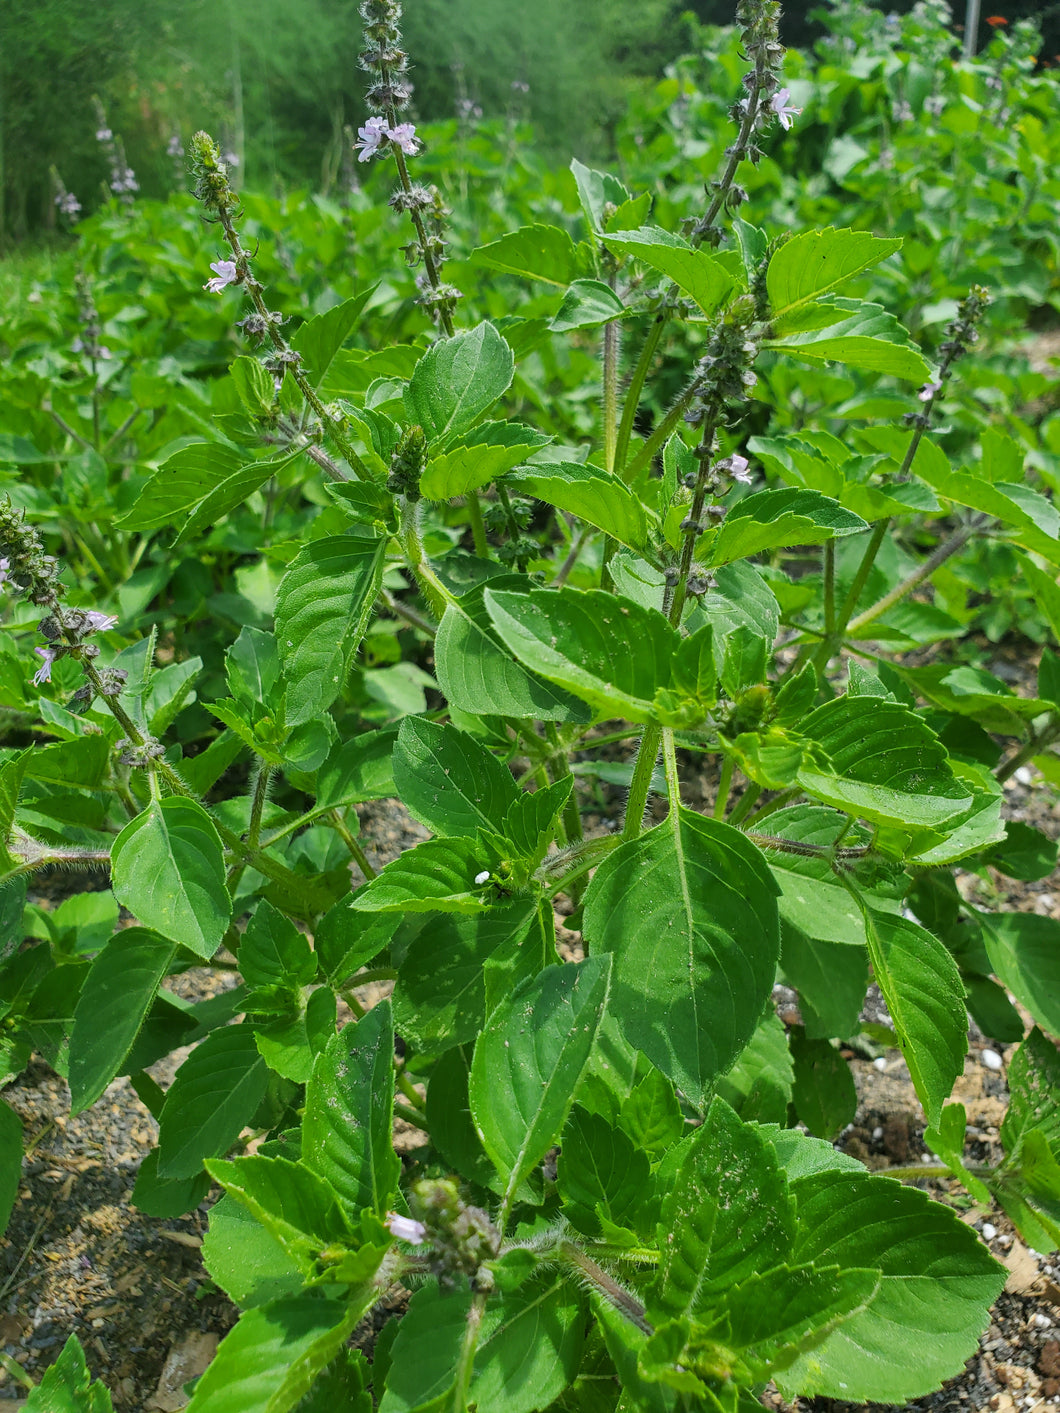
989 1232
879 1064
991 1059
1024 775
877 1134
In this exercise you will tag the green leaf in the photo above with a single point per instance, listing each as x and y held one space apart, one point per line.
1024 951
478 674
440 995
771 519
167 1197
887 765
601 1173
528 1061
488 452
1034 1094
594 495
760 1082
937 1282
447 781
1025 853
597 190
458 379
922 986
824 1095
530 824
68 1387
357 770
346 1131
831 979
816 263
812 899
775 1315
257 391
689 911
323 606
213 1097
296 1207
252 667
115 997
269 1361
249 1265
273 953
611 652
869 338
542 252
651 1114
426 1351
587 304
437 875
726 1214
10 1161
320 338
168 870
529 1348
694 271
181 482
345 940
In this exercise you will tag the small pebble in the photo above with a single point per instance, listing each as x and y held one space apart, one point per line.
991 1059
1024 775
877 1134
1042 1321
1034 1255
989 1232
879 1064
1004 1240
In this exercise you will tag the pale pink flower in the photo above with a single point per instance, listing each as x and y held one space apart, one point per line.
928 391
225 272
5 565
779 104
405 1229
404 136
370 138
99 622
737 468
44 672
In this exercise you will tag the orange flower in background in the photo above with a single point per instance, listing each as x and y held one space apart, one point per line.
995 20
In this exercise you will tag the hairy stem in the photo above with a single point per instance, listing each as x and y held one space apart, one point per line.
640 785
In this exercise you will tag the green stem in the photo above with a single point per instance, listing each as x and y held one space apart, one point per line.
640 785
744 803
411 1116
572 556
829 588
1049 733
828 643
466 1361
409 1090
623 1301
633 392
559 871
785 797
356 852
659 436
612 344
937 557
673 779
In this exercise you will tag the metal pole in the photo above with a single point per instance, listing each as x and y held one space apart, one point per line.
971 28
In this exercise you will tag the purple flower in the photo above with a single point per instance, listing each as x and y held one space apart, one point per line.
370 138
404 136
928 391
225 274
5 565
99 622
230 159
103 134
405 1229
44 672
68 204
737 469
779 104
